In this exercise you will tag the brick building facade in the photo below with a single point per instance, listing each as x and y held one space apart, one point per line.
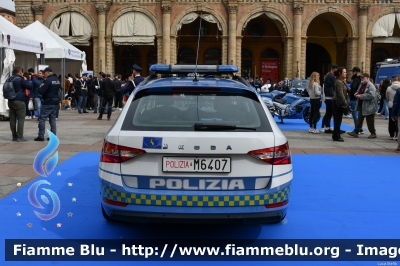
271 38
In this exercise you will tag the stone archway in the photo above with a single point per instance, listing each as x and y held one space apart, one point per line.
335 39
222 33
280 25
95 31
145 50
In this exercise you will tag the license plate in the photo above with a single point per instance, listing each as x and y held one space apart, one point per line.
197 164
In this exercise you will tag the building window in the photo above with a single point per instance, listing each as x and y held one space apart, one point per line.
152 56
246 53
380 54
186 56
213 56
269 53
257 29
247 62
204 31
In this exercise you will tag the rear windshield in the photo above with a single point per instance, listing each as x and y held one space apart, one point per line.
180 112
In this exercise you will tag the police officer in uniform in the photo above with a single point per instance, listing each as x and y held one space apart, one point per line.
137 79
108 91
49 90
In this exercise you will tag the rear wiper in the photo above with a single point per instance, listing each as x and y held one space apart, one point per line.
199 126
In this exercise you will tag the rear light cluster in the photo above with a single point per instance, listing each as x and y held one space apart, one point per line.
112 153
276 156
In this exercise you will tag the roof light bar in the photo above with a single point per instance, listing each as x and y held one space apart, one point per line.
201 69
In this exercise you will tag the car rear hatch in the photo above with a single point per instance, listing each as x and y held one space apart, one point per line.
197 140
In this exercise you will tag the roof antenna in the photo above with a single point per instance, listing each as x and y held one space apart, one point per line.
198 45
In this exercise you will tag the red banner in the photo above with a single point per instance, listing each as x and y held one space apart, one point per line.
270 69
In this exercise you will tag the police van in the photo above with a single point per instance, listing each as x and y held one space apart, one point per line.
387 69
195 148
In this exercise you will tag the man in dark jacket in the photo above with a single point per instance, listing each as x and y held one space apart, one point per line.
51 99
17 106
36 95
396 114
329 88
108 92
355 84
130 86
118 94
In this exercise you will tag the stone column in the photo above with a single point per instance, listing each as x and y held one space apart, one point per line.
297 17
101 22
224 59
166 41
302 63
95 54
239 54
288 58
232 35
362 35
368 55
38 12
174 56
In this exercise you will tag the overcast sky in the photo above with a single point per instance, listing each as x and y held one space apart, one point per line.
7 4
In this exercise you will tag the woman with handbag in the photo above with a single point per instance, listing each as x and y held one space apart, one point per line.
314 90
339 102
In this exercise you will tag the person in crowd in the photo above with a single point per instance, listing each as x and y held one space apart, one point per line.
390 93
100 77
339 103
17 108
314 90
31 72
355 83
81 91
51 98
380 98
118 94
70 78
367 106
97 86
108 91
385 108
36 95
396 115
329 88
67 86
91 92
26 77
137 79
266 87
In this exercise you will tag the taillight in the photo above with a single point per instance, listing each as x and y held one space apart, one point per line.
116 203
276 205
112 153
276 156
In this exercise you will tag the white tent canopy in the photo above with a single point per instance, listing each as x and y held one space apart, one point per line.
385 25
16 48
14 38
56 47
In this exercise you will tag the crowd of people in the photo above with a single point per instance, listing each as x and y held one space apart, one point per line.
359 101
41 93
40 96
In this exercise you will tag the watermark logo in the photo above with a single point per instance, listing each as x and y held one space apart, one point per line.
48 169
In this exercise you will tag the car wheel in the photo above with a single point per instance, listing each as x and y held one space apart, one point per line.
105 215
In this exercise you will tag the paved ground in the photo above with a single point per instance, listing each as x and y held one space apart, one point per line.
82 132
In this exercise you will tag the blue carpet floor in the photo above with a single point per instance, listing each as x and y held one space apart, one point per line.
332 197
300 124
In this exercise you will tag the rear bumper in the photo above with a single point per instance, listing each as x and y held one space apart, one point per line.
150 206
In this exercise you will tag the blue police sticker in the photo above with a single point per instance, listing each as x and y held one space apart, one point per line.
152 143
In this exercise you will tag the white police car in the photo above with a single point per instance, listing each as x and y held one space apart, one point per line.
202 148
